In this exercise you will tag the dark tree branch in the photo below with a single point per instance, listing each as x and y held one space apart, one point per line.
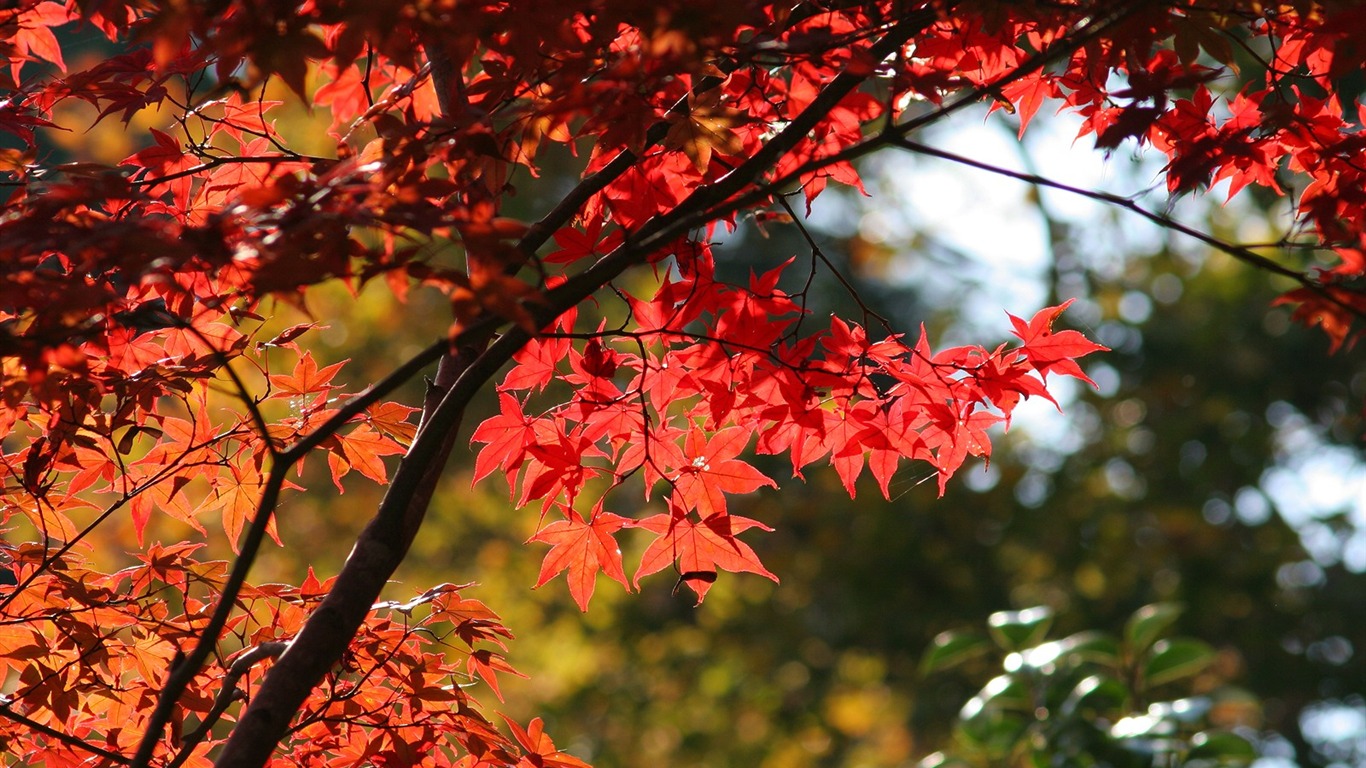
378 551
67 739
1089 31
383 544
1239 252
379 548
184 673
228 694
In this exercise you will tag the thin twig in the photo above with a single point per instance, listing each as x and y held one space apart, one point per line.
1242 253
228 694
67 739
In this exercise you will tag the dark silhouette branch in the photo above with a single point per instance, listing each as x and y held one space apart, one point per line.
228 694
65 738
378 551
1240 252
382 545
183 673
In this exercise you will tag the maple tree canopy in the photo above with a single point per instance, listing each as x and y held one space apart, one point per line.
133 296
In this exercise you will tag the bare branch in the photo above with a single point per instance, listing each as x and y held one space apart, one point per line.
1239 252
228 694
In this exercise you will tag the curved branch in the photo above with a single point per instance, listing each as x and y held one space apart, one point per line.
210 164
228 694
1239 252
1088 32
381 547
183 673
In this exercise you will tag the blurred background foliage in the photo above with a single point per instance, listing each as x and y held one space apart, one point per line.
1217 467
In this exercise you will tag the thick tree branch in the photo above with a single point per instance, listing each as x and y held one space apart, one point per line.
379 548
383 544
378 551
183 673
227 694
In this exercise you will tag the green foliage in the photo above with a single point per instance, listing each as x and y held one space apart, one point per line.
1089 699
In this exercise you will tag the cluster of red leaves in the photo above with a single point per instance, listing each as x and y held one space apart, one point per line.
677 408
130 293
87 654
1280 124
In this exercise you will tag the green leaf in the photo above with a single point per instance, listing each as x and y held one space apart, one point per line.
941 760
1042 658
1222 748
1002 692
950 649
1100 693
1142 727
996 734
1177 658
1013 630
1094 647
1191 710
1147 625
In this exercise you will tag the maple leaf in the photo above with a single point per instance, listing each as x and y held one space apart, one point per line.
1331 310
360 449
575 245
536 364
1026 95
507 435
307 379
487 664
700 548
346 94
556 465
164 158
582 548
1048 351
1005 379
542 752
391 419
954 437
705 128
32 38
238 495
713 471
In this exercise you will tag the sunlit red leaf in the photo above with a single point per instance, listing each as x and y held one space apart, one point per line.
581 549
1049 351
700 549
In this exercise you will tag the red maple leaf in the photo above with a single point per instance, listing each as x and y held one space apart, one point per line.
700 548
361 449
32 37
713 471
582 548
306 379
1329 309
542 752
1049 351
507 436
487 664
